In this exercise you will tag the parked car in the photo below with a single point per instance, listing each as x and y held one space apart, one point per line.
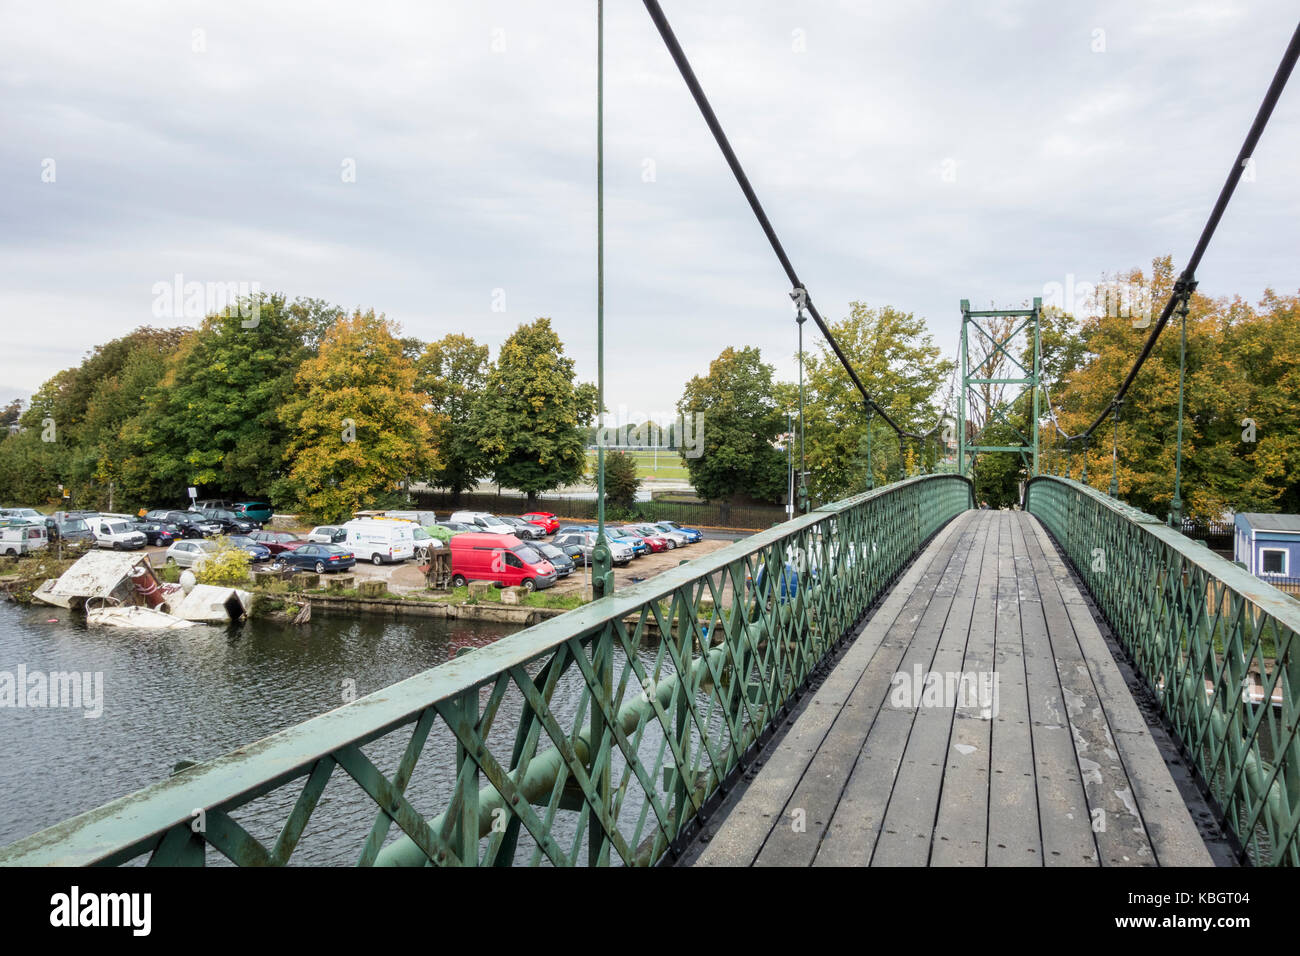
562 563
328 534
230 522
204 504
675 539
258 512
159 533
482 521
456 527
655 542
70 529
425 543
321 558
578 543
116 533
190 554
30 514
692 534
635 542
257 552
191 523
22 536
545 519
502 559
276 541
379 541
524 530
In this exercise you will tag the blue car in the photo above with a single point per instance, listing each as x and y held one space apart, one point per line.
638 546
257 551
693 534
321 558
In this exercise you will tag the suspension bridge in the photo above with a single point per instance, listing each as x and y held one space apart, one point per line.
894 678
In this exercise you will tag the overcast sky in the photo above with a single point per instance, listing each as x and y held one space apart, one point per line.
910 154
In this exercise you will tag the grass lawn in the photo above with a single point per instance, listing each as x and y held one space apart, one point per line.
670 464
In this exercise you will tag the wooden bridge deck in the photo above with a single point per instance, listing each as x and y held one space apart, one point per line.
1059 768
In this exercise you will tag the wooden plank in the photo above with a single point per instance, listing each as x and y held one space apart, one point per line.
1062 806
1116 818
1013 831
812 804
908 829
1175 839
741 835
855 826
961 828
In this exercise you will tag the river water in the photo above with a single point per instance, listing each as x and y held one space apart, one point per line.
191 695
198 693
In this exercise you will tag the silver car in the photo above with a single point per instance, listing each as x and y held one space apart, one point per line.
189 554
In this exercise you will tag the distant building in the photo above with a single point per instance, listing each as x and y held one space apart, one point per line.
1268 545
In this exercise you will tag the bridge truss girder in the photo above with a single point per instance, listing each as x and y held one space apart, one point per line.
1028 378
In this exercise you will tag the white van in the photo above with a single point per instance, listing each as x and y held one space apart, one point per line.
116 533
483 521
379 540
18 537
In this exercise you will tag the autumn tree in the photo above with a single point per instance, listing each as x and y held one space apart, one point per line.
1241 420
355 423
530 419
740 421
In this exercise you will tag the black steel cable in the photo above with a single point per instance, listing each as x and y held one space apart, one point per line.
1187 278
710 118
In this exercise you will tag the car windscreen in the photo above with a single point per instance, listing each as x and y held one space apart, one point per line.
527 554
72 524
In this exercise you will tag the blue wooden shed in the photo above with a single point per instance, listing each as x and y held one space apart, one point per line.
1268 545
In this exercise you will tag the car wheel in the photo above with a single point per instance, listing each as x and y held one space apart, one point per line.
671 544
376 560
458 581
320 567
529 584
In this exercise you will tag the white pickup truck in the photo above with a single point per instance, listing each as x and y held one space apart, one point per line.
115 532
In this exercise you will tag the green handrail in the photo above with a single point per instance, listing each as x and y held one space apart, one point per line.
706 659
1213 643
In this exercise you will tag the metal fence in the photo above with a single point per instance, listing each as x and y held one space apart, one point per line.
596 737
1213 643
717 514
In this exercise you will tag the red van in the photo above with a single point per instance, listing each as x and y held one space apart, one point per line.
500 558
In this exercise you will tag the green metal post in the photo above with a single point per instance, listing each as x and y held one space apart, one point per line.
1114 456
602 562
1176 505
800 319
871 471
1038 371
961 395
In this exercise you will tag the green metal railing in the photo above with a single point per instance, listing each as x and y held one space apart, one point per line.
1212 642
598 736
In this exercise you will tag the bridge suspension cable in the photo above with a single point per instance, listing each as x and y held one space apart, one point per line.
1187 279
800 290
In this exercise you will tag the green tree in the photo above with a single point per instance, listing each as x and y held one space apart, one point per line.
740 422
531 417
214 420
621 481
451 373
900 366
356 427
